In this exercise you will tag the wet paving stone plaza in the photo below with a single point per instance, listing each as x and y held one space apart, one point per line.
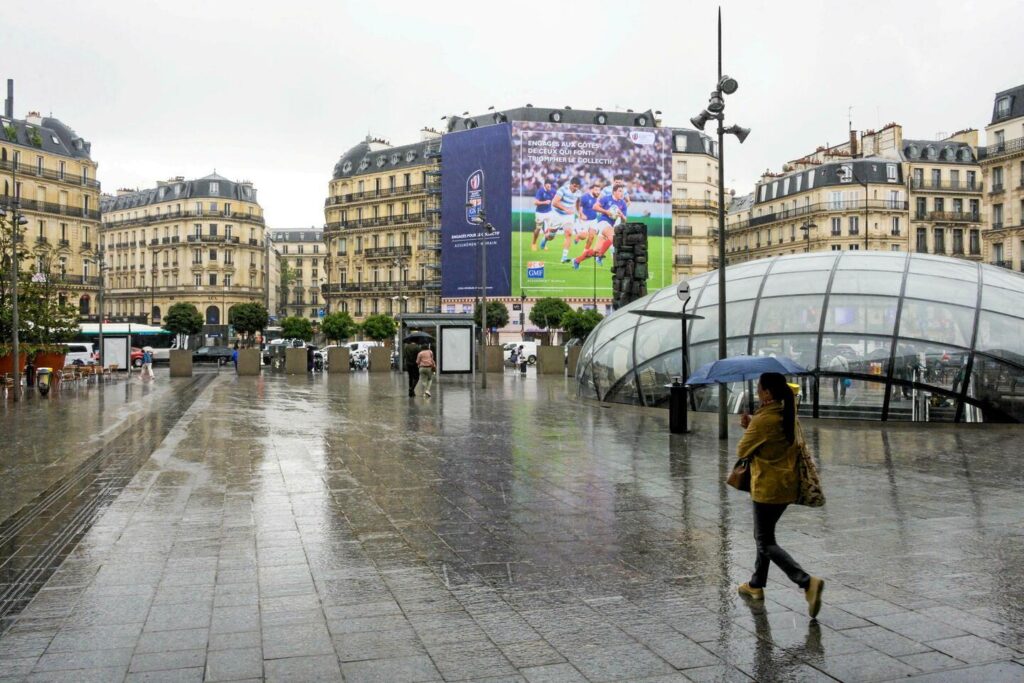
294 528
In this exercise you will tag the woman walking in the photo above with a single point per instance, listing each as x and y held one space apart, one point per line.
772 444
425 362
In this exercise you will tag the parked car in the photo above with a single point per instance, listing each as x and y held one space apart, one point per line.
212 354
136 357
80 353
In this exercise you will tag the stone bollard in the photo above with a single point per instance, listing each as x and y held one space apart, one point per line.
249 362
295 361
337 360
550 360
181 363
380 359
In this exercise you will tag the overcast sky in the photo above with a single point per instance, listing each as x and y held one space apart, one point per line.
276 92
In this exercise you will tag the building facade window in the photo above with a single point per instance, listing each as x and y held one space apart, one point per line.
922 241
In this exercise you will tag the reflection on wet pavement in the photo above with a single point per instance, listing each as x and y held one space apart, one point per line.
295 528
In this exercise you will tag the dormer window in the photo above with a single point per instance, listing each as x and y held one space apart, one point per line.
1002 107
890 173
214 188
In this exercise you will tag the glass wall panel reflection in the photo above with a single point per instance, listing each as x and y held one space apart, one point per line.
784 314
937 321
849 314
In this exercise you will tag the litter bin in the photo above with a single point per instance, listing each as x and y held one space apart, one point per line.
43 377
677 417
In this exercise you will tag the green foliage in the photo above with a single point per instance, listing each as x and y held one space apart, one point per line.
497 314
580 323
248 318
42 319
11 132
380 327
547 313
183 318
297 327
338 326
35 138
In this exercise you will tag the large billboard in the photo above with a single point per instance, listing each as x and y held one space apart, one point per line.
571 184
476 168
553 193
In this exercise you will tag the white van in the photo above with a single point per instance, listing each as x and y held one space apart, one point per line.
79 353
529 350
362 347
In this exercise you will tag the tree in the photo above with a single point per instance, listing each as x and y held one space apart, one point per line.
547 313
248 318
497 314
288 276
380 327
297 327
580 323
183 319
339 326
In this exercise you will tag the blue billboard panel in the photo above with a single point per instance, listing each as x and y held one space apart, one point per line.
476 173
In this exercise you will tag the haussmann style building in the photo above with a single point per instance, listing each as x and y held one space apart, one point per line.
382 230
48 172
1002 168
199 241
302 259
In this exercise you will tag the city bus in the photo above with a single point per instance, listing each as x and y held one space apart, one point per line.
159 339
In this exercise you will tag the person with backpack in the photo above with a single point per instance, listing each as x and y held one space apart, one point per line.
772 445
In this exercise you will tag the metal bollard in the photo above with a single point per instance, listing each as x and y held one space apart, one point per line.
677 417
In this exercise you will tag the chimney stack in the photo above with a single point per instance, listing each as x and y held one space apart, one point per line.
853 143
9 102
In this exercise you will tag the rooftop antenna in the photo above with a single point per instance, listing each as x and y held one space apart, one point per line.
849 118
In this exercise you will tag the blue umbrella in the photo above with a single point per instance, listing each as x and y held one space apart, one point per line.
742 369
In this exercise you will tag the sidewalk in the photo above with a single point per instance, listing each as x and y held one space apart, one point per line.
312 528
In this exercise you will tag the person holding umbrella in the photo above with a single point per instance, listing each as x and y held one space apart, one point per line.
410 352
772 445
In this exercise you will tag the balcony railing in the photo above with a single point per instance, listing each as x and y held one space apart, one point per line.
948 186
386 252
86 246
947 216
846 206
28 170
209 238
683 231
684 259
694 204
391 287
374 194
380 221
59 209
998 149
1003 264
997 226
63 243
997 188
171 215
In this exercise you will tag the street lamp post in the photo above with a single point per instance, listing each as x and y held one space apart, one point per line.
152 290
481 220
716 110
102 266
522 314
806 227
16 220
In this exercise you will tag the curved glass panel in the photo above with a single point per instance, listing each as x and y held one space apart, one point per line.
867 282
861 314
938 322
936 288
855 360
784 314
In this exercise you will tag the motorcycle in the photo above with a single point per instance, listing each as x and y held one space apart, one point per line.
358 361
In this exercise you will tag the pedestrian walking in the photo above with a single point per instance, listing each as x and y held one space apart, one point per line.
147 365
234 357
840 365
425 361
773 442
409 354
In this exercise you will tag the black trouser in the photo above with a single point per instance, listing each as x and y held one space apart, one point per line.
766 516
838 388
414 378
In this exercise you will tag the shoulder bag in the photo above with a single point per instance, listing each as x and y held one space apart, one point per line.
810 493
739 478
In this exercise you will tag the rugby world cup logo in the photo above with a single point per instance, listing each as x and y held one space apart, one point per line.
474 194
